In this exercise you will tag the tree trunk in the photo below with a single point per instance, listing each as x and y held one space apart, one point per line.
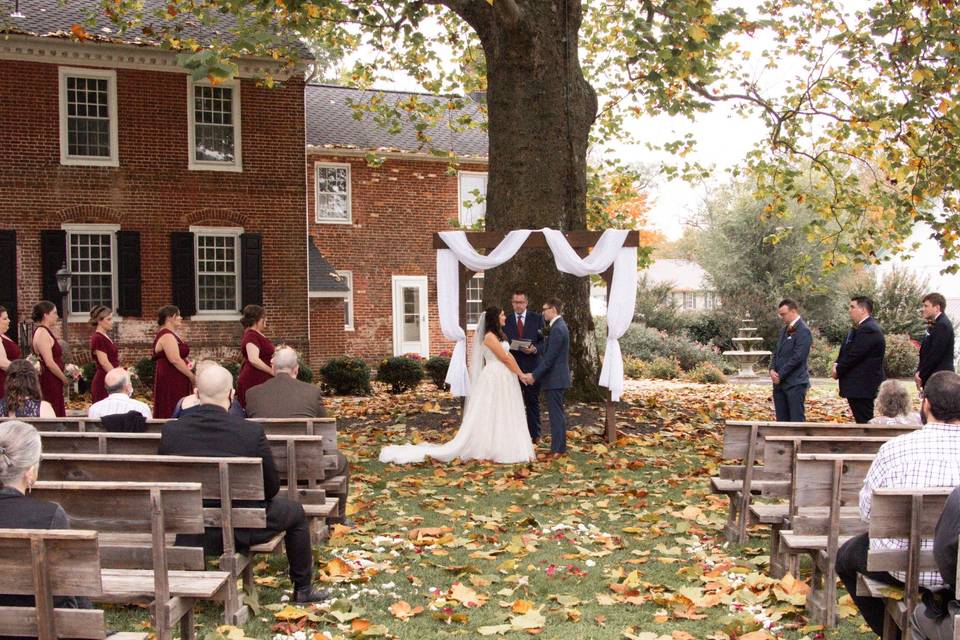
540 112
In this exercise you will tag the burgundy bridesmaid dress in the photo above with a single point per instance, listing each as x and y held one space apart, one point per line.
249 375
169 385
100 342
51 387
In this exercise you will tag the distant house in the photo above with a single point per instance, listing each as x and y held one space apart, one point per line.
691 289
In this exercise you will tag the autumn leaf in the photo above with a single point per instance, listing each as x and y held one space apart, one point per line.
79 32
403 611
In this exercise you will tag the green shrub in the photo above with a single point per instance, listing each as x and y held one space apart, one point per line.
901 358
822 356
712 327
663 368
402 373
305 373
437 370
234 369
145 368
89 370
346 376
706 373
645 343
634 367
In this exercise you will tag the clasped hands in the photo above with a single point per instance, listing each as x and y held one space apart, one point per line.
526 378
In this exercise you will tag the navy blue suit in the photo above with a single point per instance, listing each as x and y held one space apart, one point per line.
553 374
528 362
790 362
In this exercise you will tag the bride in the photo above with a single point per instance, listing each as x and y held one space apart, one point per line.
494 423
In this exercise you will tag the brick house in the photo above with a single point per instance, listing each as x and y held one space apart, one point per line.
372 263
153 188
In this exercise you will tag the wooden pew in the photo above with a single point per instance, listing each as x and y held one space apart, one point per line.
779 459
135 570
223 479
305 469
744 441
825 513
48 563
910 514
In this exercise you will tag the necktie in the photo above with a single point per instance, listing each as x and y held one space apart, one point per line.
519 326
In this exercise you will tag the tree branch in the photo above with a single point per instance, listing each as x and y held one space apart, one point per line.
508 10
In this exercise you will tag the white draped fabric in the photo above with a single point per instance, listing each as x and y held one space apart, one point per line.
608 251
448 293
622 297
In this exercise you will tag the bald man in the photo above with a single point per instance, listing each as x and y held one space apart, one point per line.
119 389
208 430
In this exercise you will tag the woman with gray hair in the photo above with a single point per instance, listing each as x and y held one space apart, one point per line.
893 405
19 466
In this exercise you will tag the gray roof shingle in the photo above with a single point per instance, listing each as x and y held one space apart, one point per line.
331 124
54 18
322 277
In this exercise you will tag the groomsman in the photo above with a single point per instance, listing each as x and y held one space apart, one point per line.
527 325
936 350
788 367
859 367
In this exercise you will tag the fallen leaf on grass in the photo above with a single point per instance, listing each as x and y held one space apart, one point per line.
403 611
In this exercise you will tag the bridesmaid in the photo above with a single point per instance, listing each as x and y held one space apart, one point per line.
10 350
103 349
256 350
48 349
173 378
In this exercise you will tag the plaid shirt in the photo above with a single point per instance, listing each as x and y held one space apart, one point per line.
928 457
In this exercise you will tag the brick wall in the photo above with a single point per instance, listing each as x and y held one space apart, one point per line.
396 208
152 191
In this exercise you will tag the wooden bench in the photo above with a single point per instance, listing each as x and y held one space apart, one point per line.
223 479
910 514
134 521
49 563
779 459
824 513
744 441
304 467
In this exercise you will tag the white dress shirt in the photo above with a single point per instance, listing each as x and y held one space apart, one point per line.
118 403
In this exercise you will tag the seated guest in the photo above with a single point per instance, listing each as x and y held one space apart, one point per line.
928 457
119 388
19 464
22 397
283 396
208 430
933 619
188 403
893 405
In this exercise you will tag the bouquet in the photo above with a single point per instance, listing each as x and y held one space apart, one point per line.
35 361
73 371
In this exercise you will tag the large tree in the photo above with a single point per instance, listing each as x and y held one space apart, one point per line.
868 108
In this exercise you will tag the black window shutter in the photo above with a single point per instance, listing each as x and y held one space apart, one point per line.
183 272
128 274
8 283
251 269
53 255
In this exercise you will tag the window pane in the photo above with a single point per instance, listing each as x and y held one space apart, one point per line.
213 124
216 273
411 314
473 187
332 193
474 298
88 117
90 258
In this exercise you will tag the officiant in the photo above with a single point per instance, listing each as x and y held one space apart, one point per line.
525 330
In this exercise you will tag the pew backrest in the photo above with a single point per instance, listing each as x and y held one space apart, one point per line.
778 451
738 436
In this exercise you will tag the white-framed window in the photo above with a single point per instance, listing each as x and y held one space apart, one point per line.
88 117
474 300
473 197
347 300
710 300
332 193
689 300
213 114
217 254
92 257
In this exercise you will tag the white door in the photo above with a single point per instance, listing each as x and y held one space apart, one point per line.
410 325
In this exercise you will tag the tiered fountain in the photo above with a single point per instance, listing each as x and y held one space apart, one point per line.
746 355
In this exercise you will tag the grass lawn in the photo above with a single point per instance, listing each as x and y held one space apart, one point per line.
612 543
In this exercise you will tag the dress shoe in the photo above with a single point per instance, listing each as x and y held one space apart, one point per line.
310 594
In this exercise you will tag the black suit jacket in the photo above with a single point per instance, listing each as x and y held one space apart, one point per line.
945 540
208 430
532 327
936 350
860 363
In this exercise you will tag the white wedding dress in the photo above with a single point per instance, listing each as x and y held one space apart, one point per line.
494 423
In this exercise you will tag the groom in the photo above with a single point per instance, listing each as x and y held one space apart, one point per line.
553 373
527 325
